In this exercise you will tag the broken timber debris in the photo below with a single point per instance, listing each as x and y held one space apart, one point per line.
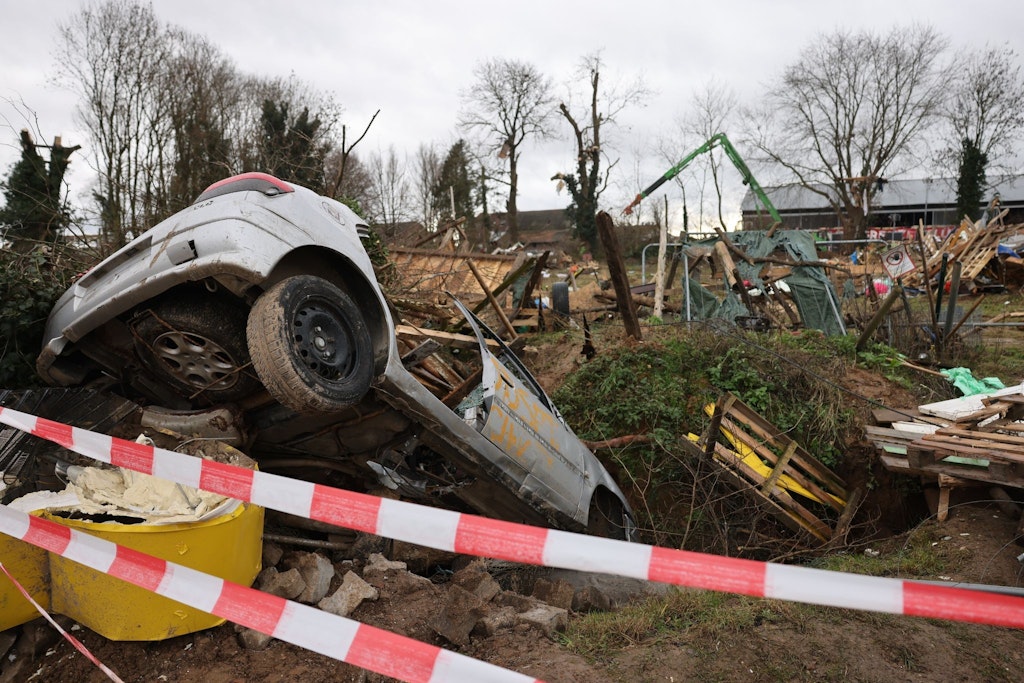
974 440
975 246
768 465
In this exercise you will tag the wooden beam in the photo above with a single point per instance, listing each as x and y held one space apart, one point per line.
494 302
465 341
508 281
617 271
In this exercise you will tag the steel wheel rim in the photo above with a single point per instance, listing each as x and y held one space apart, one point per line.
322 339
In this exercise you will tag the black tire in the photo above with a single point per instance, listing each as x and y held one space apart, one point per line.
310 345
194 343
560 298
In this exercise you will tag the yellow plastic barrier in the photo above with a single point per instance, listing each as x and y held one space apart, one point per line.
31 568
229 547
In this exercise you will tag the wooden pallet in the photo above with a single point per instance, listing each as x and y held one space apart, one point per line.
980 447
766 463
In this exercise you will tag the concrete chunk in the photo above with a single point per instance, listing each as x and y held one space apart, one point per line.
272 554
460 614
254 640
317 572
477 580
546 618
591 599
288 584
557 593
352 592
496 621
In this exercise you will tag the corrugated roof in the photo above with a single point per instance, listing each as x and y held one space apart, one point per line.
934 192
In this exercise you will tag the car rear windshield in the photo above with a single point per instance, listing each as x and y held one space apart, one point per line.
260 182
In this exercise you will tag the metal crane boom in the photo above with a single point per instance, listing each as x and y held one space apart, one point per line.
719 140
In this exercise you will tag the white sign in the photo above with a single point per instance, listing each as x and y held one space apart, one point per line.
898 262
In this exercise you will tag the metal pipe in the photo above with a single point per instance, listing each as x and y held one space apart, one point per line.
643 258
307 542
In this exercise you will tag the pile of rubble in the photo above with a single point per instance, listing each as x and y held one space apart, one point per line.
462 599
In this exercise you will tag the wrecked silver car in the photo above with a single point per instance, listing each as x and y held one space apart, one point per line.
261 297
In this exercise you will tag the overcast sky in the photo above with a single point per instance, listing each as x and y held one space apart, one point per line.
411 60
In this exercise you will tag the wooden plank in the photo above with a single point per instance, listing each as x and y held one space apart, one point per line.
969 475
465 341
618 274
886 416
767 435
790 520
895 435
416 356
846 519
460 392
968 448
1008 439
942 513
769 483
507 282
919 457
710 435
494 302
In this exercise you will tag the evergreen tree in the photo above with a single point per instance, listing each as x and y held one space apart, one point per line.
34 211
454 185
291 149
970 184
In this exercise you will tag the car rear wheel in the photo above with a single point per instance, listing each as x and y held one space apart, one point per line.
195 346
310 345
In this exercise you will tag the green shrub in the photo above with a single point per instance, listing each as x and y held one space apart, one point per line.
30 283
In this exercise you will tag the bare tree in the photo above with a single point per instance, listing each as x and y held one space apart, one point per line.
509 102
713 108
586 182
712 111
426 172
287 126
201 95
982 121
344 151
111 55
390 204
849 110
986 104
357 188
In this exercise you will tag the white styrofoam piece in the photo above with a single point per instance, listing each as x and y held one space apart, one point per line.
956 408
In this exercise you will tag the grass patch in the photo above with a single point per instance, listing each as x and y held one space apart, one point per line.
918 555
659 389
703 616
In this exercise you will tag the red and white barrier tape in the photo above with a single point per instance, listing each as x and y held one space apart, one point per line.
472 535
75 642
343 639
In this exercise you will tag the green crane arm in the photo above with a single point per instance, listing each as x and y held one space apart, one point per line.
734 157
